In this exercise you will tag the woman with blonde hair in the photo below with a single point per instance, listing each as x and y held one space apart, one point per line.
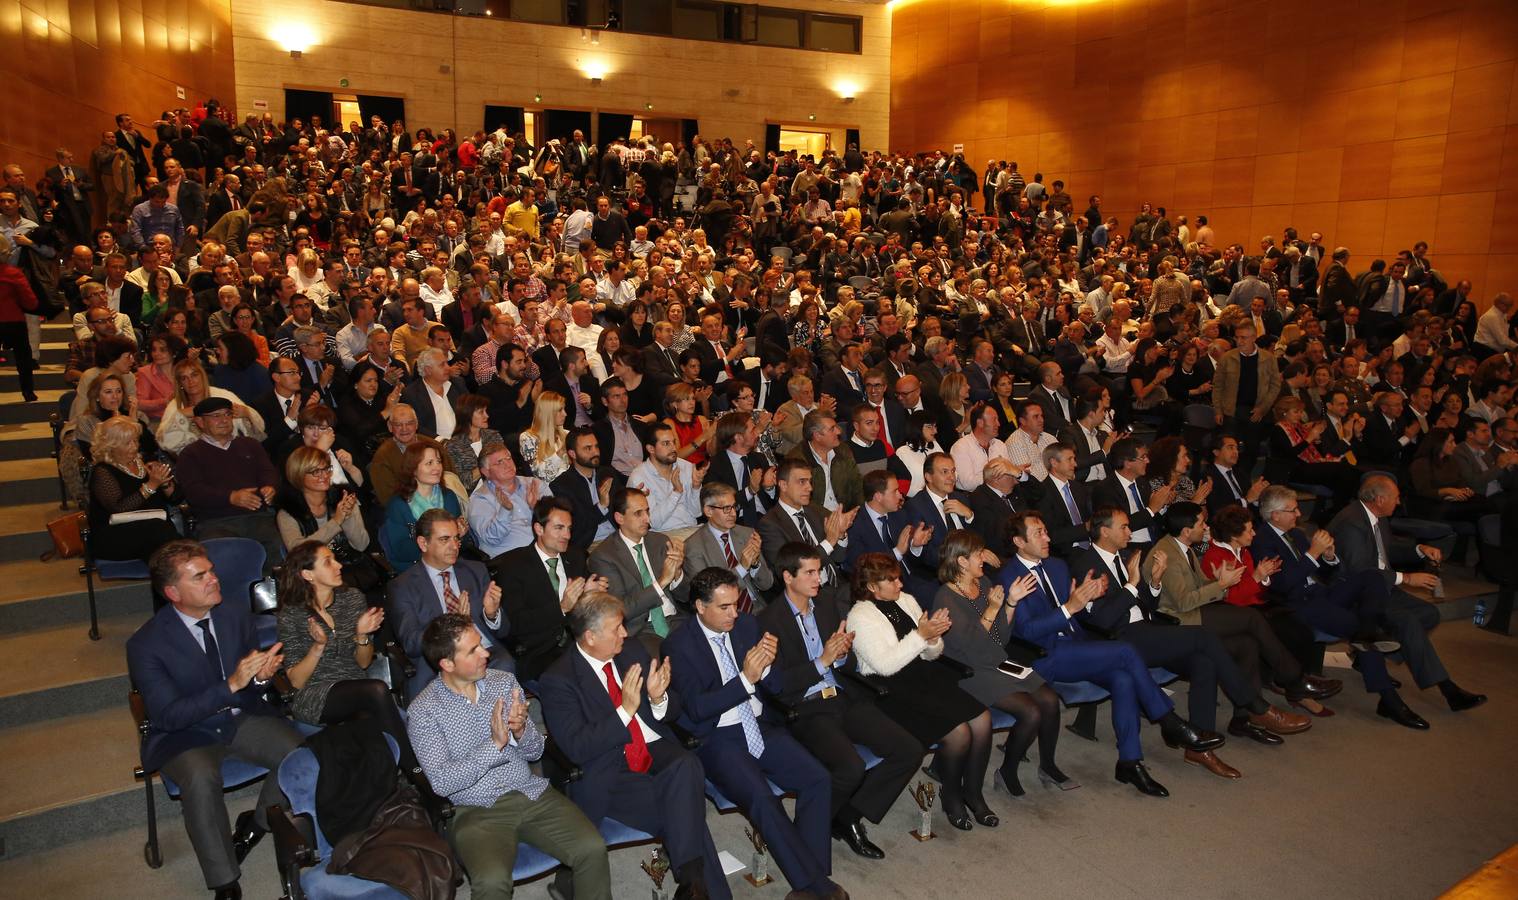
692 431
177 429
544 444
954 392
106 399
307 270
121 483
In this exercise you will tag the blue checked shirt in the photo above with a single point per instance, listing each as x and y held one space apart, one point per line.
451 737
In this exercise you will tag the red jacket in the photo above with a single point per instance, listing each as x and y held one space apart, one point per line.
1247 592
16 297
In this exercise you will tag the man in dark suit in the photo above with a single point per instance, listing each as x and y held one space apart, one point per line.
642 567
719 662
1044 617
660 362
546 578
992 503
940 505
188 196
129 139
609 706
280 407
588 486
1024 337
794 518
442 583
767 380
1127 489
813 652
737 464
1065 503
433 378
406 186
321 371
1227 488
874 531
571 379
71 188
202 679
1390 439
1363 542
717 357
1129 611
893 417
1054 397
845 383
1342 330
223 200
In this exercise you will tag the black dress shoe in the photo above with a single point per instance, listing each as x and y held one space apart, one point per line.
245 836
1135 774
1181 734
231 891
1460 699
1314 688
1244 729
1402 714
853 834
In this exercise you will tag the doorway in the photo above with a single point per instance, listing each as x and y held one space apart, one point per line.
805 143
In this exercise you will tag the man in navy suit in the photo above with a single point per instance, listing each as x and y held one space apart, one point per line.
202 678
735 463
940 505
1045 616
441 583
874 532
635 770
719 661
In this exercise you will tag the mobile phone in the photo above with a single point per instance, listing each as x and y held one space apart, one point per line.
1008 667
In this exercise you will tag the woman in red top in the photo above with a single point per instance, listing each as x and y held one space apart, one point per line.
1232 532
16 300
692 431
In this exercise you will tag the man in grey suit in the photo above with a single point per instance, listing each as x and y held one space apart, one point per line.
1363 541
642 567
442 583
793 518
723 543
1482 469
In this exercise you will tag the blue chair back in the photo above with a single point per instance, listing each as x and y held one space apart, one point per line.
239 562
297 778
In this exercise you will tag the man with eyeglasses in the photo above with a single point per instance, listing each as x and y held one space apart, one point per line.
281 405
723 543
443 583
321 371
100 322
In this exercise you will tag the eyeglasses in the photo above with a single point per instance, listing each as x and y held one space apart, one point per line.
320 429
725 508
287 372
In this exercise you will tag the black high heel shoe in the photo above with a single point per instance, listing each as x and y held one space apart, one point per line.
959 819
982 812
1009 783
1053 777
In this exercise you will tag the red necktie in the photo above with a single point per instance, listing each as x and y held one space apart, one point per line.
745 602
885 432
451 599
636 750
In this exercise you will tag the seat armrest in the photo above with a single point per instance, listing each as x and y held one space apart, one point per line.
960 670
1164 618
401 671
1022 650
139 711
687 740
293 848
557 766
1098 631
874 685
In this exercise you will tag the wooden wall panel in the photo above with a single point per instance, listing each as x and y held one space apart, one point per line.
1377 123
733 89
76 63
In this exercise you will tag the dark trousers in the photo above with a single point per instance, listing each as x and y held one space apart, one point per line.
1250 435
14 338
1199 655
1410 620
802 849
829 729
263 740
1252 643
1117 667
670 801
1352 603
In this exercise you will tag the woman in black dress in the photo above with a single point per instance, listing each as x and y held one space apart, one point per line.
896 640
121 482
365 414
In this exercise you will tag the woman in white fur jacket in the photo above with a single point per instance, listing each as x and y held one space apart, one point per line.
896 641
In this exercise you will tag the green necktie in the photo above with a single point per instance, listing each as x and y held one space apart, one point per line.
655 615
553 573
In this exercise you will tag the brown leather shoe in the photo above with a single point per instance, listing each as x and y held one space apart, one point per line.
1209 761
1278 721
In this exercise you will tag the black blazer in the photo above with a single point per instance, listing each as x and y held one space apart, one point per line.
538 634
776 529
1110 611
1109 492
557 382
837 384
721 472
276 432
991 515
711 364
797 670
1063 532
1380 444
426 419
777 391
572 486
1055 419
1355 544
660 365
335 391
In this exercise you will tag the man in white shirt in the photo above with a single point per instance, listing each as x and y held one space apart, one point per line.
1492 329
972 451
1025 448
673 485
584 333
1116 350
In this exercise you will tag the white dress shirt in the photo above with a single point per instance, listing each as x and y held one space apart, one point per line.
658 709
732 716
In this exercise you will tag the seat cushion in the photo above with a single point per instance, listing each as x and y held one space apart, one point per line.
121 569
1076 692
234 774
319 885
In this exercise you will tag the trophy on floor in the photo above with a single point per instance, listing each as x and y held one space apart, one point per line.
759 868
924 794
656 867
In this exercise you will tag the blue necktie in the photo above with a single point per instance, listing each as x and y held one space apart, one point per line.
1075 513
751 735
885 532
1138 502
213 652
1044 584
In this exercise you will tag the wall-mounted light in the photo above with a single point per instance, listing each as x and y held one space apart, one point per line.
847 90
648 106
537 98
296 37
595 71
812 117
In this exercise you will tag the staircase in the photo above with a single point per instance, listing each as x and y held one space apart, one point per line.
67 742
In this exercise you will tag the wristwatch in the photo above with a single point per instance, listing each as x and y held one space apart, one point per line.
364 641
